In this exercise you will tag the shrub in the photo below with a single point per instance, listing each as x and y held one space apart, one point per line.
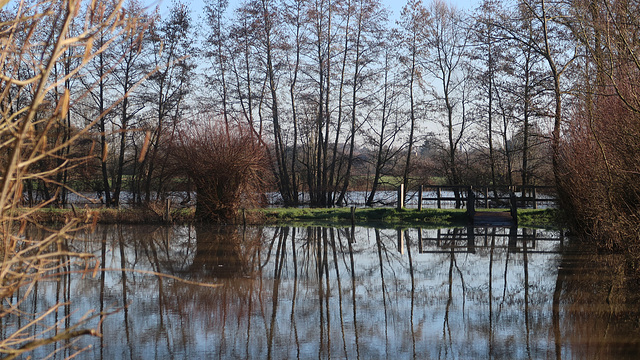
228 169
599 186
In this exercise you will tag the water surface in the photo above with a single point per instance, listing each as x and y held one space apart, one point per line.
345 293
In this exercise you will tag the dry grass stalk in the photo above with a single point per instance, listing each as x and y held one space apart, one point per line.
34 38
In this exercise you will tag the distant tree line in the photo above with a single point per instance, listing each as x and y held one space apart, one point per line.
346 98
343 97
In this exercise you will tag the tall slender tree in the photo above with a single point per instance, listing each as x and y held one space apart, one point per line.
128 74
448 40
384 135
414 19
368 30
166 90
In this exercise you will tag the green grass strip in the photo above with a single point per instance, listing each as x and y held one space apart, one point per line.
374 217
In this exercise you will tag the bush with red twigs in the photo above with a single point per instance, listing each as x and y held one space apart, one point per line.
600 181
229 169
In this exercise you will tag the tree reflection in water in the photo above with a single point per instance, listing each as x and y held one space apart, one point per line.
354 293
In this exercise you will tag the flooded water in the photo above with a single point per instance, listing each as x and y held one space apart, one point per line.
347 293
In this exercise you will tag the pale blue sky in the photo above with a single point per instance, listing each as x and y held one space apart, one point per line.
394 5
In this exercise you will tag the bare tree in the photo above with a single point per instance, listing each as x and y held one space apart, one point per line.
217 52
368 30
415 18
486 41
98 79
448 40
385 134
294 17
321 18
172 68
128 74
544 33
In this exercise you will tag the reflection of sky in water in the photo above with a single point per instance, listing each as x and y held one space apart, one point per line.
387 303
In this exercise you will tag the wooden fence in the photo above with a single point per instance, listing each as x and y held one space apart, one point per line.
484 196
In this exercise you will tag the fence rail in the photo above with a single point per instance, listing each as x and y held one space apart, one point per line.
487 196
472 239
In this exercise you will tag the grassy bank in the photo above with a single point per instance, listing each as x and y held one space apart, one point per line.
391 217
385 217
365 216
546 218
109 216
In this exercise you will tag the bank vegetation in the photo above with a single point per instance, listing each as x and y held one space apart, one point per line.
380 217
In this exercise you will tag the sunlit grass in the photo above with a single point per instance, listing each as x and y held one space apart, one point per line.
547 218
366 216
